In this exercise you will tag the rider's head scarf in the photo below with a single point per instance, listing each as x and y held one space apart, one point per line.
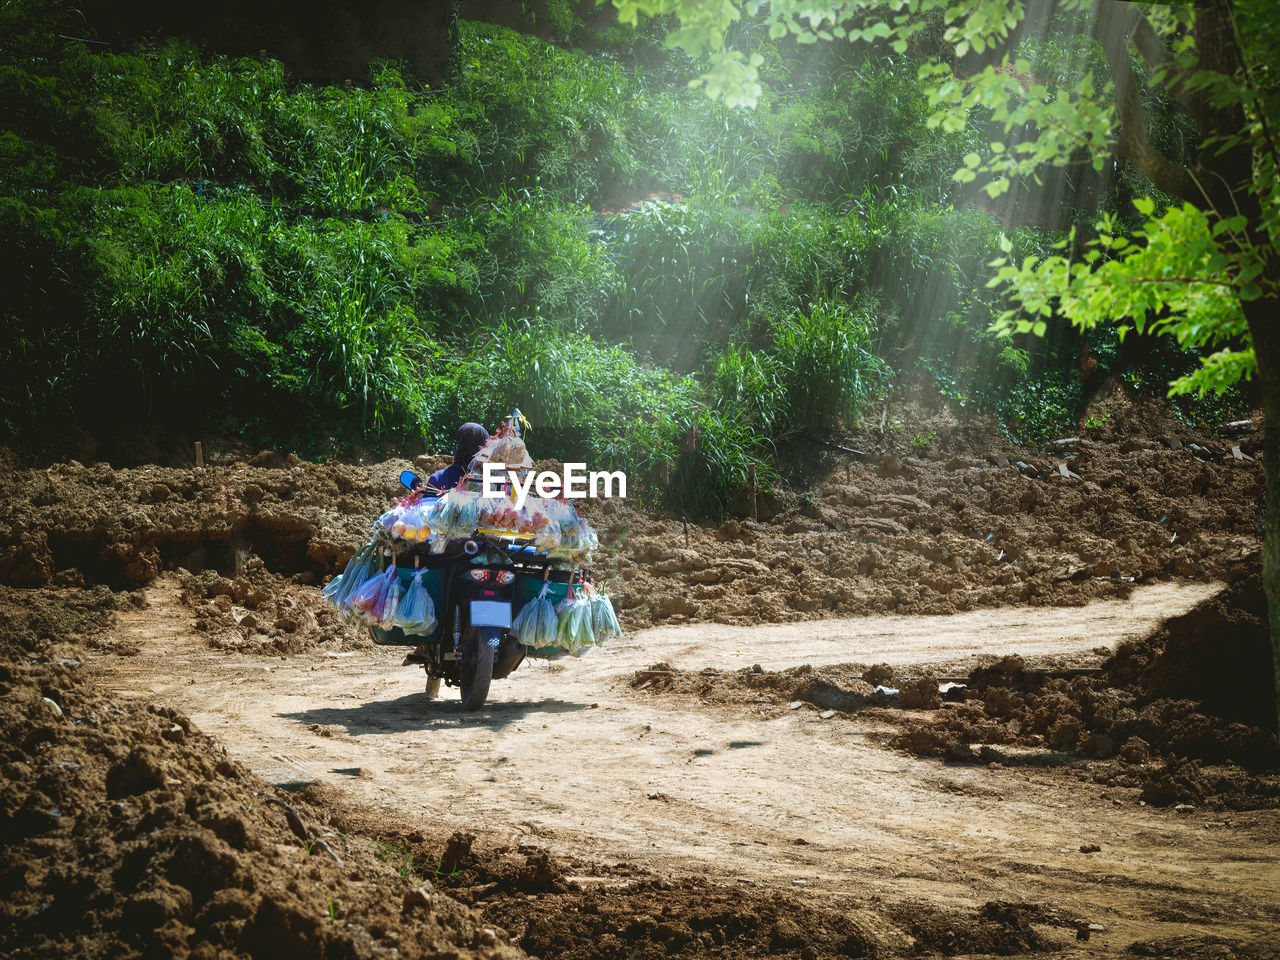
471 437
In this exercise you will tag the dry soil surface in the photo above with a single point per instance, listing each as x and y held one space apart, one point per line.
571 758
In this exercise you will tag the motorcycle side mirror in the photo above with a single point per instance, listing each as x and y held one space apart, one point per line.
410 480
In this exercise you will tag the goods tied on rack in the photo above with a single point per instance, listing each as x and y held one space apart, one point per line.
398 580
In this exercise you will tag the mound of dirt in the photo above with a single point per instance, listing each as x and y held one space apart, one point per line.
966 522
127 833
582 910
1218 653
997 928
653 919
73 524
836 687
845 687
1202 948
1195 691
261 612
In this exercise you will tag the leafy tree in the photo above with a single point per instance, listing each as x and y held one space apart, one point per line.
1197 260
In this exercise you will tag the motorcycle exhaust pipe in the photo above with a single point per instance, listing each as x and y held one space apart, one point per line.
471 548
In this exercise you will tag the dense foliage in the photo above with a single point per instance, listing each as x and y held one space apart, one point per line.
1183 93
202 243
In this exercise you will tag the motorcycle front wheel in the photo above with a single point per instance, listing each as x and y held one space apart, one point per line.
475 672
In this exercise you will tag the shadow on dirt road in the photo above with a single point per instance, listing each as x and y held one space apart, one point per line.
414 712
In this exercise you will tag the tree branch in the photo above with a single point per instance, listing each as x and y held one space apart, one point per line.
1216 177
1116 21
1174 77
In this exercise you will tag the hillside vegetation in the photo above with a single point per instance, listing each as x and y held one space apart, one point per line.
663 284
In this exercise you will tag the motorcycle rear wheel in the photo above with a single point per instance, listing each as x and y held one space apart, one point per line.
474 674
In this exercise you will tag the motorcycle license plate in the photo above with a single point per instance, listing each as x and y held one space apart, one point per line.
490 613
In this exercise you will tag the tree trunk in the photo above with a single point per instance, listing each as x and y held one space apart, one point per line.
1262 316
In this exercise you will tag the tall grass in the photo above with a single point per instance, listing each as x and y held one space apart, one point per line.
544 116
176 114
748 386
828 365
684 276
597 401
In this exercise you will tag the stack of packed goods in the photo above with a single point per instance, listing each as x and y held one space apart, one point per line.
581 620
552 525
370 590
563 619
506 448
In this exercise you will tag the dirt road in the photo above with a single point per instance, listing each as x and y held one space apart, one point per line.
570 757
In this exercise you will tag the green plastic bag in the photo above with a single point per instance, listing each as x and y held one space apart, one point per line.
574 631
604 621
536 624
416 613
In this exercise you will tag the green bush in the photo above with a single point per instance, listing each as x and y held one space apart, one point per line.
542 116
175 114
200 239
806 254
725 447
748 387
1037 409
827 363
313 311
534 255
592 401
683 277
861 125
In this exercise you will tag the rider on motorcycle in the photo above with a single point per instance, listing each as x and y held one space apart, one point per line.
471 437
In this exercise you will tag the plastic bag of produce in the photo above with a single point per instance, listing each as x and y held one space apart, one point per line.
385 613
491 511
536 624
604 621
454 515
358 570
467 513
410 521
576 537
416 613
371 599
573 632
547 537
587 545
437 515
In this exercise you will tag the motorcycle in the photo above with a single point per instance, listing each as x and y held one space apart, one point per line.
478 587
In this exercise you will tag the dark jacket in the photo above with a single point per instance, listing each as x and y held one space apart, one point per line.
446 479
